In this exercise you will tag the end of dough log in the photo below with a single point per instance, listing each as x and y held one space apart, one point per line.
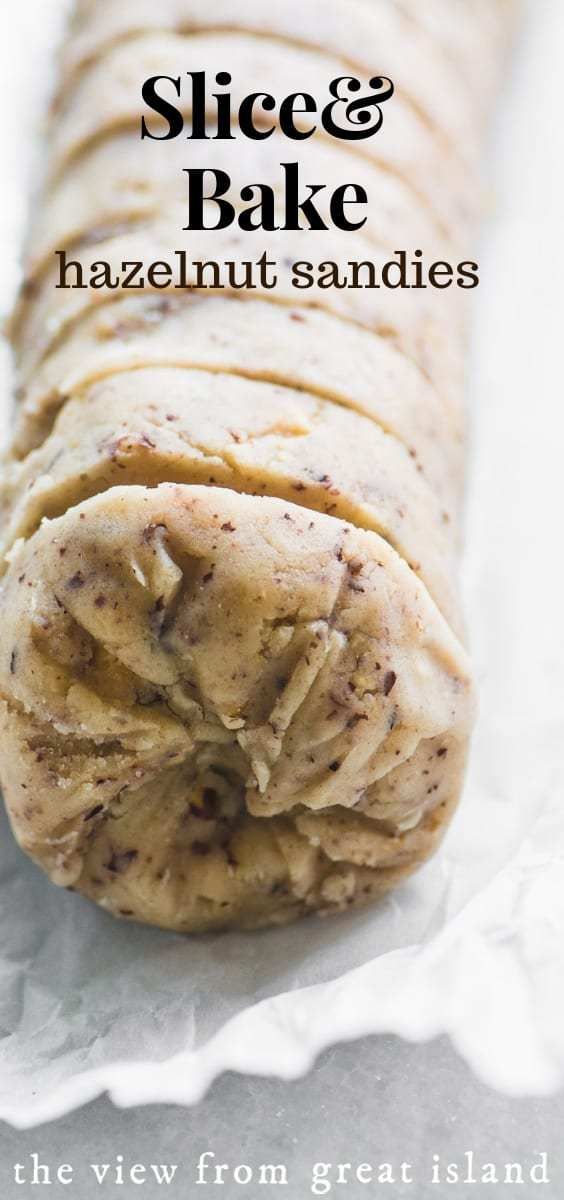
219 709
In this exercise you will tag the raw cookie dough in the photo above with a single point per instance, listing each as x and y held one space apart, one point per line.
261 438
302 348
233 687
181 663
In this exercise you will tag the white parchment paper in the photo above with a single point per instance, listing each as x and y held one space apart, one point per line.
474 945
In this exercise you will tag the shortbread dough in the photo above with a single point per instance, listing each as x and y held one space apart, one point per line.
233 683
224 709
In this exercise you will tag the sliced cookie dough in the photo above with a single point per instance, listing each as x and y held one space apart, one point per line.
302 348
232 684
190 427
194 644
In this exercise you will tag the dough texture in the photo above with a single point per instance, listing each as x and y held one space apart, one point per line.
233 685
222 709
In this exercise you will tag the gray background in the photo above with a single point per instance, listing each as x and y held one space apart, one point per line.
373 1101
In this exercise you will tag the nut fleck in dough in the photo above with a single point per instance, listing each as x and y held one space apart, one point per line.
233 689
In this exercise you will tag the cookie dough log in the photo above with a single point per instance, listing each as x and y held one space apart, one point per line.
232 684
224 710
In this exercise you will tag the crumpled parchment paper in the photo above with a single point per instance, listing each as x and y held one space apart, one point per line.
474 945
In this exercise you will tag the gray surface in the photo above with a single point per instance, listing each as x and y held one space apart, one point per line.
374 1101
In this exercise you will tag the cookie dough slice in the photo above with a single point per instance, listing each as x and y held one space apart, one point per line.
193 644
150 426
306 349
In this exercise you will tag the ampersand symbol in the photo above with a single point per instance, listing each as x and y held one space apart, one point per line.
364 115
